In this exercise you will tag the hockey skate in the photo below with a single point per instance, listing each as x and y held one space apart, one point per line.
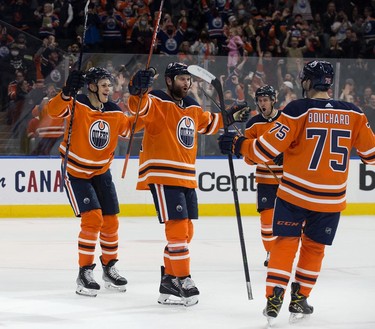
299 308
86 284
112 279
267 259
176 291
274 304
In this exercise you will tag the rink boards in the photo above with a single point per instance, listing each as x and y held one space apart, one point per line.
31 187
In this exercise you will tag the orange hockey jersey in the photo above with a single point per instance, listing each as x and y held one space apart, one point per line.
256 127
316 137
94 134
169 146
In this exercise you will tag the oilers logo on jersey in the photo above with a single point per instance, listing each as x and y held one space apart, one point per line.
186 132
99 134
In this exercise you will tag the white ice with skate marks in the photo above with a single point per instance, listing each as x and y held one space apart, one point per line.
39 267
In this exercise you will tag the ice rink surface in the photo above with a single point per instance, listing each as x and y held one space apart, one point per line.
39 266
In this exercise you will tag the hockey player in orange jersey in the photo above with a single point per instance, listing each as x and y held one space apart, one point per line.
267 175
172 121
96 126
316 134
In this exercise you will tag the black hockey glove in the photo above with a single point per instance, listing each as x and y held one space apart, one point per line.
230 143
141 81
74 83
239 112
279 159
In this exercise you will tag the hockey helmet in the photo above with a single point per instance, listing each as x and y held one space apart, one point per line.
320 73
176 68
265 91
94 74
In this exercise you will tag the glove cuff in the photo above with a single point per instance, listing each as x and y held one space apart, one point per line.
236 146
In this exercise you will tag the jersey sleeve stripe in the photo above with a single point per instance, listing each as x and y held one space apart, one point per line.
261 150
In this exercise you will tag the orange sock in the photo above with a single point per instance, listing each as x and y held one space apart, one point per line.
109 238
91 222
281 263
176 256
309 264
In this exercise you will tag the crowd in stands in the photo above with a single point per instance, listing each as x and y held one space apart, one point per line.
260 42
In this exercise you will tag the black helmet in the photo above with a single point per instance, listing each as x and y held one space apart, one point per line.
176 68
265 90
94 74
320 73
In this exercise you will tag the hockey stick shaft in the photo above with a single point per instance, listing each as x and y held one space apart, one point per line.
239 132
70 129
210 78
132 132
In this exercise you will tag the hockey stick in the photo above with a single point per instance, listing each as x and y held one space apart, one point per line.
239 132
127 156
211 79
65 163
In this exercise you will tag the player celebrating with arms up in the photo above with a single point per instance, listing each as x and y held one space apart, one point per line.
316 135
89 186
172 121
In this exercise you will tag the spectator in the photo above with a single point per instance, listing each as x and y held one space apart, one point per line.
235 47
50 130
328 18
93 37
19 10
293 52
348 90
334 50
170 38
369 111
12 87
48 21
215 24
351 45
204 48
112 28
65 30
340 26
141 36
16 106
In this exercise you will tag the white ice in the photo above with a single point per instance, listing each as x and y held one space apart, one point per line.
39 266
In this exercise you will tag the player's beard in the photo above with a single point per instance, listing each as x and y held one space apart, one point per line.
178 92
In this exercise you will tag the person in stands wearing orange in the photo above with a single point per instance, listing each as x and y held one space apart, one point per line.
316 135
49 130
172 121
88 180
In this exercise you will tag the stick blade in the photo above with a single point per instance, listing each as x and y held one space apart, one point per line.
200 72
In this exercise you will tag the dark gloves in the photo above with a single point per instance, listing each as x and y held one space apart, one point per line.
279 159
75 82
239 112
141 81
230 143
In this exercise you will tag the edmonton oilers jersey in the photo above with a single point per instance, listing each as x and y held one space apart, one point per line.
316 136
256 127
169 145
94 134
